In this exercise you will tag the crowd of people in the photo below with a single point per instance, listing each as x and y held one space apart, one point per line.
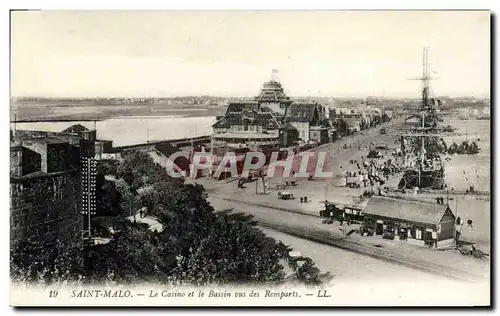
372 171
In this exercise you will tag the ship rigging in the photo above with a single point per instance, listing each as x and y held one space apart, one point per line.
421 145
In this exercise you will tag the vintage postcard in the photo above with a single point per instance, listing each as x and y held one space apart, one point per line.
250 158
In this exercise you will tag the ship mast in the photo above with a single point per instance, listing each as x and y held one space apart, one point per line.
425 80
425 109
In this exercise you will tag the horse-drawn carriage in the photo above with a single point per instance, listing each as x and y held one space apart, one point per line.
473 252
341 212
285 195
374 154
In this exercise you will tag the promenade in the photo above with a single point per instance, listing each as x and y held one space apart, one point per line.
302 219
311 227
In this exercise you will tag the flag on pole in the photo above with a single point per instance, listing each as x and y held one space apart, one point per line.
274 75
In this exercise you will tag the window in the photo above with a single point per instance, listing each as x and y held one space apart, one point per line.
369 222
390 227
418 233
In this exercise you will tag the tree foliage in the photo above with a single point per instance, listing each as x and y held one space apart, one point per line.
108 198
134 255
48 260
108 167
196 245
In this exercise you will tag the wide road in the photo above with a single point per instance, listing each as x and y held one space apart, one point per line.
448 264
357 279
349 266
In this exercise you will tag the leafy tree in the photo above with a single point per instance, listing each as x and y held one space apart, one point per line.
138 170
129 201
232 252
108 167
134 255
197 245
49 260
108 198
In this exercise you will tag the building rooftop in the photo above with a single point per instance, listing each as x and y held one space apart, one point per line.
238 107
414 211
39 136
246 135
301 112
264 119
166 149
47 140
76 129
272 91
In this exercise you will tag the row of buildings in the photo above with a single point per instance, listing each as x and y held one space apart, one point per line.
273 119
53 175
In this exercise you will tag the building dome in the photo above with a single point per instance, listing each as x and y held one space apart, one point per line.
272 91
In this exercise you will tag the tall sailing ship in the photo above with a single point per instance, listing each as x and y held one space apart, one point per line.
421 145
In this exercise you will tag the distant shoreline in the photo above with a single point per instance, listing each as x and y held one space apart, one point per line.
105 112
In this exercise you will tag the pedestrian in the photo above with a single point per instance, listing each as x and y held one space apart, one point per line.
301 200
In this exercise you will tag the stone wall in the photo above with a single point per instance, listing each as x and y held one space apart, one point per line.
59 157
40 148
46 206
31 161
15 161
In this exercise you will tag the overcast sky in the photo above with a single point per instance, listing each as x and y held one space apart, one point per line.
168 53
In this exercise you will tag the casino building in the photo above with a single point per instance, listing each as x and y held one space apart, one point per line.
271 119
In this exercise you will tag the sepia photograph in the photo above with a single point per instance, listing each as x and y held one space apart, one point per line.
250 158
